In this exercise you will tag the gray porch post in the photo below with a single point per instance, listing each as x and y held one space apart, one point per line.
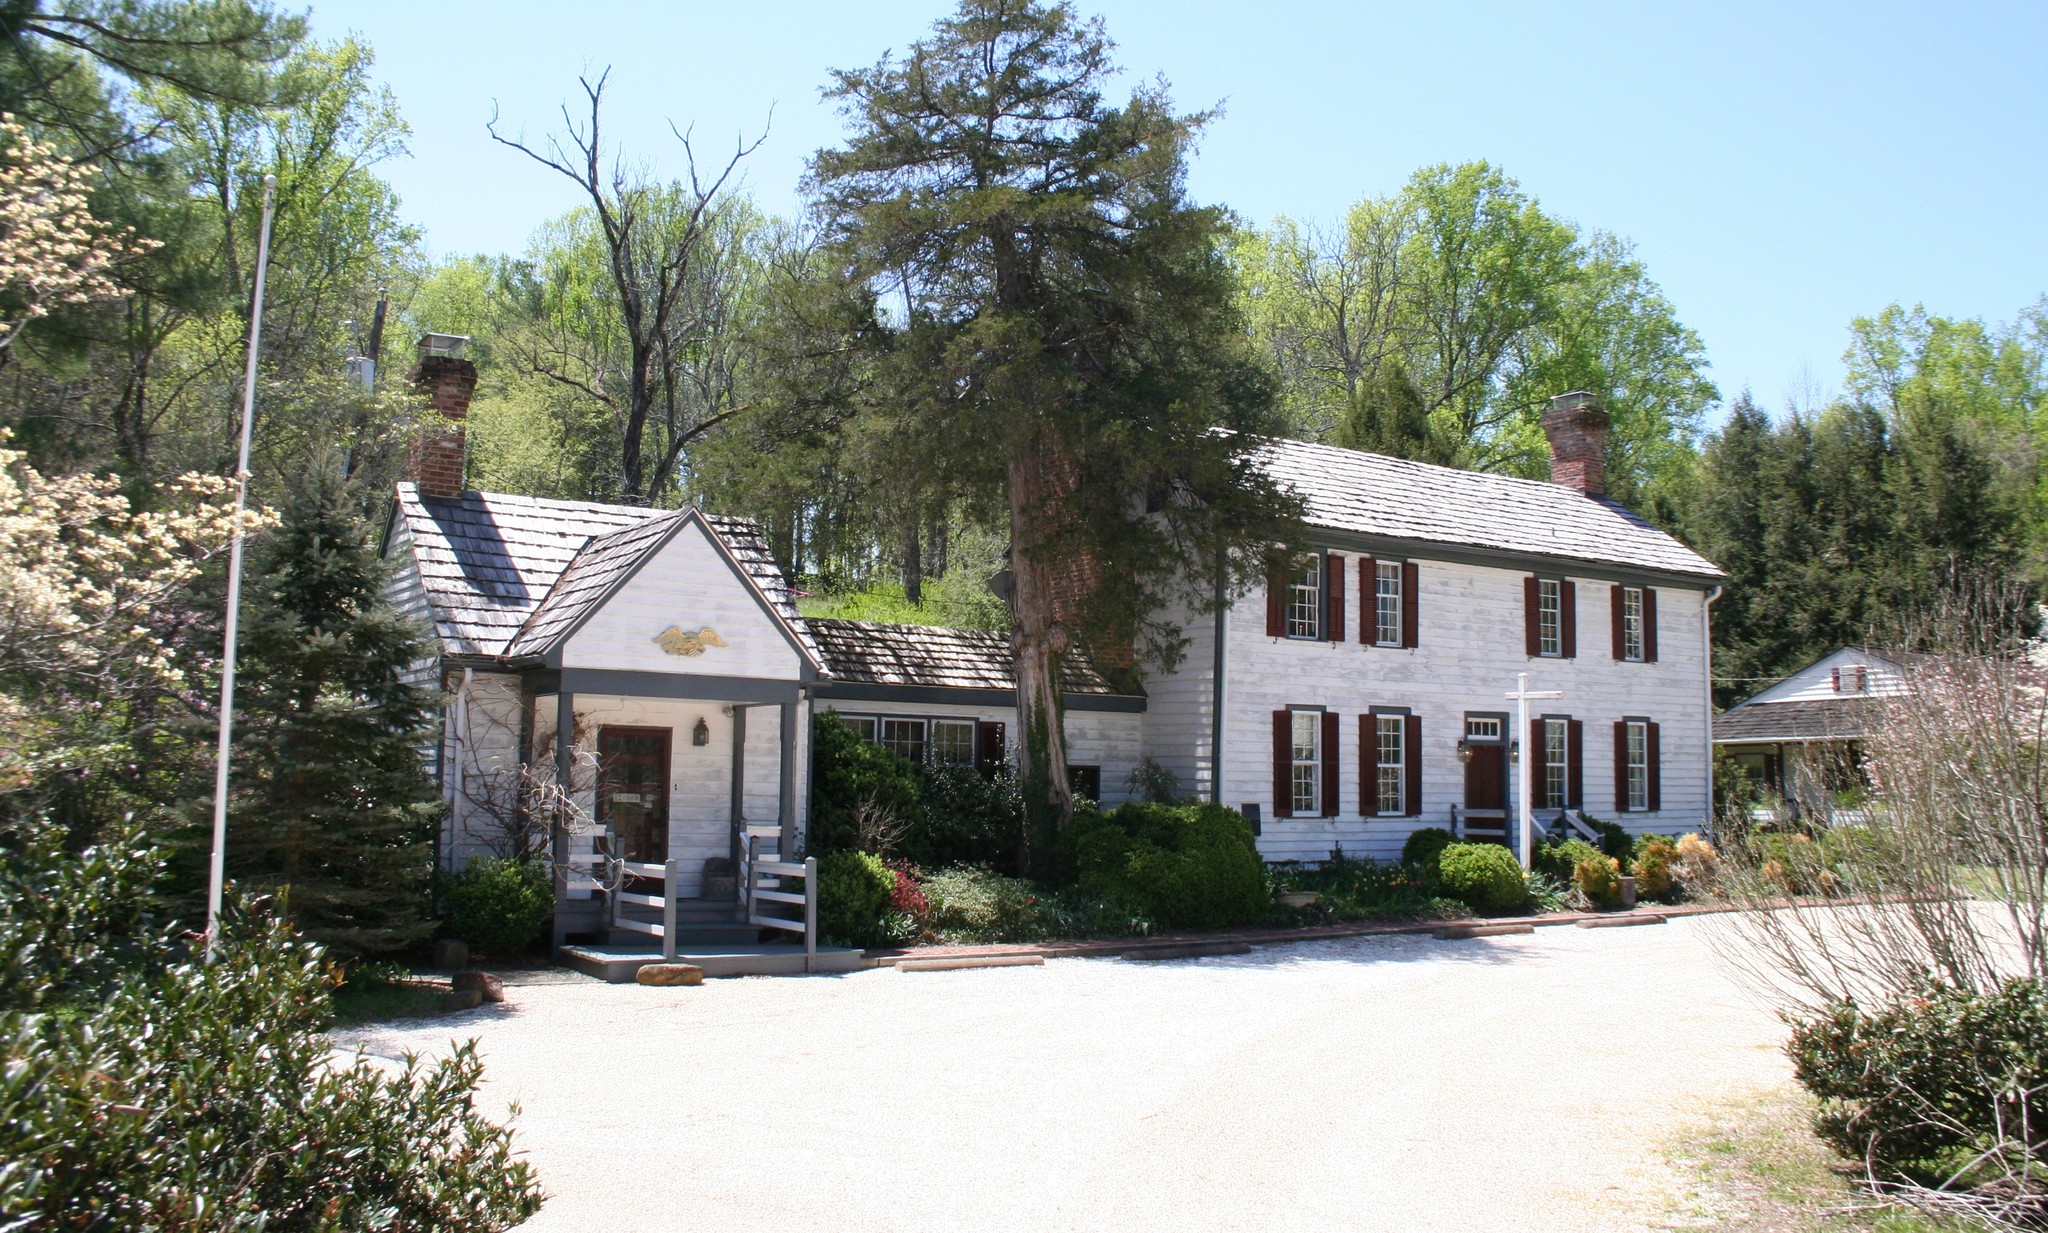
786 797
739 779
565 761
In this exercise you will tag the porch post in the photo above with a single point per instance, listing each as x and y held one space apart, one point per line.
565 762
739 779
786 802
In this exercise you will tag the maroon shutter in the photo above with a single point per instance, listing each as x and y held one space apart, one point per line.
1534 749
1575 764
1334 589
1568 619
1620 609
1330 763
1368 601
1656 753
1411 749
1620 764
1283 764
1649 626
1411 603
1276 616
1532 621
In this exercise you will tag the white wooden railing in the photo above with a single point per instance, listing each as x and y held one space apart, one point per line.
765 881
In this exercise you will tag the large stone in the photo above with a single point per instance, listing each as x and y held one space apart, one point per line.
451 953
492 989
670 974
461 999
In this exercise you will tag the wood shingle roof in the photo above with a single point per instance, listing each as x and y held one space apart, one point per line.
871 653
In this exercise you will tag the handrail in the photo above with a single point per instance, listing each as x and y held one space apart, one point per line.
753 870
670 874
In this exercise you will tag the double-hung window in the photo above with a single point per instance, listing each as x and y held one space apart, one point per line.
905 738
1387 605
1549 616
1307 769
1391 782
1556 764
1632 623
863 725
952 742
1636 763
1305 600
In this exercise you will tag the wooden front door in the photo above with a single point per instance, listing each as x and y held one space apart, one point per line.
632 794
1486 791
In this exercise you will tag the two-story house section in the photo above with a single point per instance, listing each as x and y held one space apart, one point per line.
1361 694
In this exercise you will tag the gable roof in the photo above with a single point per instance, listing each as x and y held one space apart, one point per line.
872 653
1393 498
508 575
1831 719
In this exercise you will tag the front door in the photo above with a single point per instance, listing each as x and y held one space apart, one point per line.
1486 779
632 795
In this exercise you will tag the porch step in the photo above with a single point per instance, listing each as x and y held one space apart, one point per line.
720 936
618 965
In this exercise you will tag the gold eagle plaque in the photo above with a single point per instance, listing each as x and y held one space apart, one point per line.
677 642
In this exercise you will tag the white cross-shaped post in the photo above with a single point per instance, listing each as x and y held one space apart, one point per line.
1522 696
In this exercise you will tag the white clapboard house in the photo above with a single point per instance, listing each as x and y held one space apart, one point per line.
1357 699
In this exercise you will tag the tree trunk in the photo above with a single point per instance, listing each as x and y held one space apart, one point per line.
935 547
913 563
1037 640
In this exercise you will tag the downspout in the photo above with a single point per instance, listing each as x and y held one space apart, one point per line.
1707 655
1216 698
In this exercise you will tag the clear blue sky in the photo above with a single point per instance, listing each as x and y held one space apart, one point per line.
1781 167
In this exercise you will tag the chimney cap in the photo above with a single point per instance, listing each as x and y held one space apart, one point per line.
450 345
1577 400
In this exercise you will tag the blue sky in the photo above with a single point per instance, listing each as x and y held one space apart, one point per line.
1781 168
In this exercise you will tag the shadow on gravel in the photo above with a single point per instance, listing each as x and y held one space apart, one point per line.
1395 948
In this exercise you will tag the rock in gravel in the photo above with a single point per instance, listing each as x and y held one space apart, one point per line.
492 989
451 953
670 974
461 999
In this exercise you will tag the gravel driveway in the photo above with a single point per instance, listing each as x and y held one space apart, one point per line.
1369 1083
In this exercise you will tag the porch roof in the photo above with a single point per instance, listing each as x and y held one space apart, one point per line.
872 653
1834 719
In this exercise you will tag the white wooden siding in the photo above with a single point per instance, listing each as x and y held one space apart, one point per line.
1180 705
690 584
1815 682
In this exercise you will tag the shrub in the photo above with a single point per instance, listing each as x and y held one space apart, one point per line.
499 905
1696 864
968 819
853 891
1485 876
970 903
1598 878
1935 1076
849 776
1181 866
1615 840
1558 859
1425 846
1654 859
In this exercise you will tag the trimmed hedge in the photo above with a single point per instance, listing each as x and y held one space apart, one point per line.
853 891
1485 876
498 905
1426 846
1180 866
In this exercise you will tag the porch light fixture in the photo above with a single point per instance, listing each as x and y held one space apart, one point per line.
1464 750
1514 751
701 734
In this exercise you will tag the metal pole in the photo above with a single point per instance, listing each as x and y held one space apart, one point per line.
1527 816
234 614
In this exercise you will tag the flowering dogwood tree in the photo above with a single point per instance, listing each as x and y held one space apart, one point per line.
52 250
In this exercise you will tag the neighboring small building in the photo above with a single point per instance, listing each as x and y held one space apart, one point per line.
1800 740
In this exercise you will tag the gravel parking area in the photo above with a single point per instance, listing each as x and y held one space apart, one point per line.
1367 1083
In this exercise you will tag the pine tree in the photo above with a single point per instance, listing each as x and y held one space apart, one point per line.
333 805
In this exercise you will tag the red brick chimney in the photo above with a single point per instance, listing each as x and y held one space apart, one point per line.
435 459
1577 428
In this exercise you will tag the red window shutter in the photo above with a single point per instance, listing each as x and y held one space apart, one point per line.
1532 622
1411 749
1330 763
1368 763
1283 764
1619 610
1649 626
1656 751
1568 619
1276 596
1368 601
1575 764
1411 603
1534 749
1334 588
1620 763
1835 679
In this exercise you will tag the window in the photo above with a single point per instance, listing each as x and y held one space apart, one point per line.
1637 762
1390 731
904 738
953 742
1556 764
1085 781
1632 623
1305 600
1481 729
863 725
1307 772
1387 603
1549 617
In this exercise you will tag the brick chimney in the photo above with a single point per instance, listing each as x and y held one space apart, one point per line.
435 459
1577 428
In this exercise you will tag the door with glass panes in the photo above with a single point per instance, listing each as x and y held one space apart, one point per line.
632 797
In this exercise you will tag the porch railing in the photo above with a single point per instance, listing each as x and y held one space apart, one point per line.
766 882
668 874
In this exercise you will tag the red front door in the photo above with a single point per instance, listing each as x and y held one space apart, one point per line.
632 795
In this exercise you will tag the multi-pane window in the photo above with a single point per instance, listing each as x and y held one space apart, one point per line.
1556 764
1638 764
1387 602
1390 733
863 725
904 738
1305 600
1478 728
1549 616
953 742
1308 763
1632 623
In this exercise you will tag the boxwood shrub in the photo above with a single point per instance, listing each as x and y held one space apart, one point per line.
498 905
1180 866
1425 846
1485 876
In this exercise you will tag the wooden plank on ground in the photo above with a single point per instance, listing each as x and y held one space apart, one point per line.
964 962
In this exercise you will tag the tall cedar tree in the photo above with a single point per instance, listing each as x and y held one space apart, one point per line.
333 803
1055 337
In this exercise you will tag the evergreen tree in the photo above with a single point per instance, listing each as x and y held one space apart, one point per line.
332 804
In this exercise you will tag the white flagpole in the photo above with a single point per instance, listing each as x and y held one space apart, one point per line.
1526 812
227 663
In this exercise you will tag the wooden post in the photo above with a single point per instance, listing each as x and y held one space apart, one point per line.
670 872
786 802
810 913
738 808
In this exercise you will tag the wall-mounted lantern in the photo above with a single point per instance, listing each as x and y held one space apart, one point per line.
701 734
1464 750
1514 751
